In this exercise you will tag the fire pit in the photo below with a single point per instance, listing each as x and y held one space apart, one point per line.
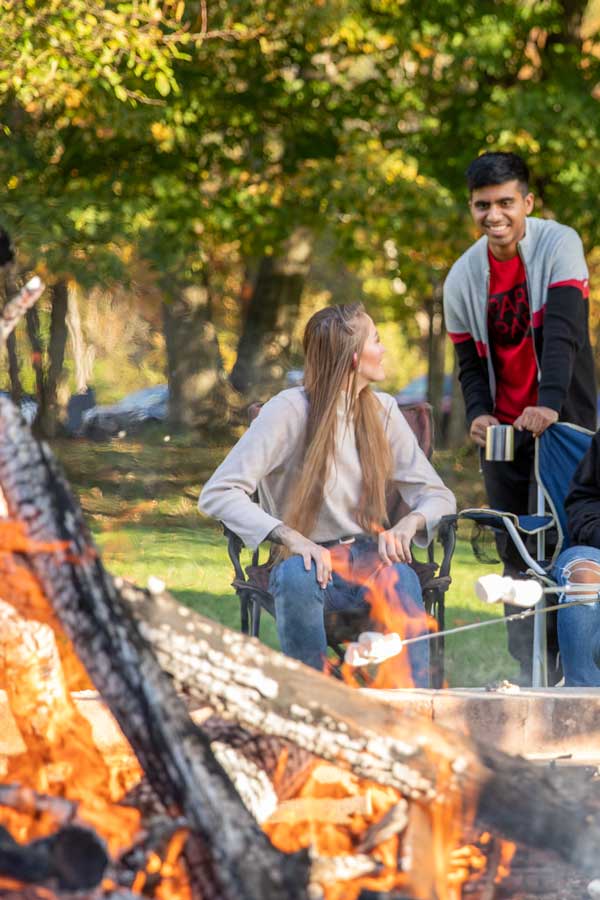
538 723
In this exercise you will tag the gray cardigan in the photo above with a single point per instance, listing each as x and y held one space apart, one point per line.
557 286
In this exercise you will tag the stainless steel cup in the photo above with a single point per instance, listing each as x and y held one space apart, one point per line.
500 443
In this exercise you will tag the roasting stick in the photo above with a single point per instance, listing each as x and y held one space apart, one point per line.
375 648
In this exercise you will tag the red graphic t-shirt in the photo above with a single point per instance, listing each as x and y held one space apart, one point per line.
511 339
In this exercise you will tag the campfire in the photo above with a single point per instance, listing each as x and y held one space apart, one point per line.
239 773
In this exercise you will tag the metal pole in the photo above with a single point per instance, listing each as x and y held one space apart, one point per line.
539 675
576 600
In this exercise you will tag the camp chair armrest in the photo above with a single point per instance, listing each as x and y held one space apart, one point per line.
507 522
234 549
446 536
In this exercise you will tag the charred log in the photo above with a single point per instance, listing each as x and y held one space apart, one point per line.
23 799
247 681
33 892
173 752
285 764
394 822
73 858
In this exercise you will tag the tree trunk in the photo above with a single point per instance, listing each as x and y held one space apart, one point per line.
436 345
457 423
83 356
194 366
49 415
14 366
47 381
263 354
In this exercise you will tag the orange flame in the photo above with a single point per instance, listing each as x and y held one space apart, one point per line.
427 857
39 666
378 581
38 670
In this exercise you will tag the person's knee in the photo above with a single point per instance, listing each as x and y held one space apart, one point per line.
580 572
584 571
407 581
292 581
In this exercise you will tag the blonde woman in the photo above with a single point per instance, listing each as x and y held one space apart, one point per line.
323 458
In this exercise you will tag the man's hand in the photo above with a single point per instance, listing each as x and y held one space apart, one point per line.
536 419
394 544
298 545
479 426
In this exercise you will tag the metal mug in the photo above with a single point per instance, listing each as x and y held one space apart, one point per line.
500 443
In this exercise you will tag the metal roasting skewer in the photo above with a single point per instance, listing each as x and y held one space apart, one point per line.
580 599
367 650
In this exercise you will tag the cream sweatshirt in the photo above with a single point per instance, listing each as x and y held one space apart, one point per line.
268 457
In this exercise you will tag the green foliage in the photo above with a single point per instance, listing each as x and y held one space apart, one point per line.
174 129
73 76
64 58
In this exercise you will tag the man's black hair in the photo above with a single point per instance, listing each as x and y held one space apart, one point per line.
497 168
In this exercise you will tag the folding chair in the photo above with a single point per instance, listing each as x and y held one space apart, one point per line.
557 454
251 584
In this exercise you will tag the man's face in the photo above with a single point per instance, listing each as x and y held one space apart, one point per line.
499 212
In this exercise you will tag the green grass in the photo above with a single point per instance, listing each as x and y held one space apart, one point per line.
140 503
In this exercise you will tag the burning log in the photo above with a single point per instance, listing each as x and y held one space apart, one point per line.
263 691
242 679
25 800
174 753
392 823
73 858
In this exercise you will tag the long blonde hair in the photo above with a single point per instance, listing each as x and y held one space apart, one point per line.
331 338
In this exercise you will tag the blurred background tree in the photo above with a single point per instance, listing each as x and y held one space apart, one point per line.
217 171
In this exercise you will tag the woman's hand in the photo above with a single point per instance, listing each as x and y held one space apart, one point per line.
394 544
298 545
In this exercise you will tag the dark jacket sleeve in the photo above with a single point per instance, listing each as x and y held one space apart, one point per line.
583 502
565 330
473 380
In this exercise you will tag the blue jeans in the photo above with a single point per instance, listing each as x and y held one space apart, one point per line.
578 626
300 602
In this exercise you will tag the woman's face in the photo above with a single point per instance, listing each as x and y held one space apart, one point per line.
370 363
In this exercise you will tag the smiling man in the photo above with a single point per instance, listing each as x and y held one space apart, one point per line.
516 309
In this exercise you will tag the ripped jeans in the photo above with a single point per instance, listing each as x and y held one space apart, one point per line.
579 626
300 602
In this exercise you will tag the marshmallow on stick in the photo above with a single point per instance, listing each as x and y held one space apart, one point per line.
372 647
499 589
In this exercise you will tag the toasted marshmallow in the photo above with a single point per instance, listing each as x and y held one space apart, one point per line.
499 589
373 647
